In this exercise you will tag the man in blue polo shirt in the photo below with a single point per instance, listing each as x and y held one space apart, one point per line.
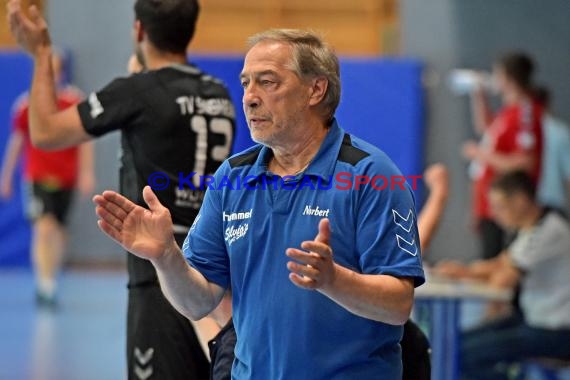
322 273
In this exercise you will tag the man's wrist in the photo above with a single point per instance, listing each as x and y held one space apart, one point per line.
439 195
171 252
43 51
338 274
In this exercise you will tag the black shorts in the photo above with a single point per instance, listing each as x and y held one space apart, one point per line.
42 200
161 343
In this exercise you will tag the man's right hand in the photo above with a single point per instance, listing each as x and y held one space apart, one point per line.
145 233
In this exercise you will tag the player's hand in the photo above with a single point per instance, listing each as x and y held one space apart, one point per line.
145 233
436 178
451 269
470 150
30 32
314 269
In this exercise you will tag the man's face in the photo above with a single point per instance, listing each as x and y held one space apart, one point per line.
275 99
501 81
508 210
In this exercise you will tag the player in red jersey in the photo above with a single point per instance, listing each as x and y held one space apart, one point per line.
50 180
512 140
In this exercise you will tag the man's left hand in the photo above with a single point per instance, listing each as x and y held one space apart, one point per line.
31 33
314 269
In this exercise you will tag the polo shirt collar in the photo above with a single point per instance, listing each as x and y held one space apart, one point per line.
322 165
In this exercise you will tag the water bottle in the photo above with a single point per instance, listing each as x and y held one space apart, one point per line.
463 81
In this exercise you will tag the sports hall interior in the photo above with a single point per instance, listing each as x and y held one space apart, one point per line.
397 57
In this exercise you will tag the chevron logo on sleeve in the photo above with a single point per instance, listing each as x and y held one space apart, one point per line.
143 369
405 235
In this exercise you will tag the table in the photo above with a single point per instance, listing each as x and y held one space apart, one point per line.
442 298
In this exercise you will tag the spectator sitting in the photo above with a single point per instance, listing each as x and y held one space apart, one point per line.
539 258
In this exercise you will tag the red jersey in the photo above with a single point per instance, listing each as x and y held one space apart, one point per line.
516 129
56 169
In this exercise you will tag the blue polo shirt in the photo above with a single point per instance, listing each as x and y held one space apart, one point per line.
250 217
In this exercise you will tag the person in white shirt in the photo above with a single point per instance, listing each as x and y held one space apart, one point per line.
539 261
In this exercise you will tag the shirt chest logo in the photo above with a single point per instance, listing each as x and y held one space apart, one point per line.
316 211
241 215
236 231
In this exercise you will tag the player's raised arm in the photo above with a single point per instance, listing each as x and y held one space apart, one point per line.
49 128
148 233
9 164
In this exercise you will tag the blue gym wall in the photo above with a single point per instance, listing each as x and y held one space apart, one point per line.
14 230
381 102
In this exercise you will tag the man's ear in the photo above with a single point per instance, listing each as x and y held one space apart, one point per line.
139 31
319 87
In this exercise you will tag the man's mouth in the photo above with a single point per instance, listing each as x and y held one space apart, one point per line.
256 120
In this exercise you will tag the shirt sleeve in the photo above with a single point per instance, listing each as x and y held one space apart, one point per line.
547 240
387 237
112 108
204 247
565 152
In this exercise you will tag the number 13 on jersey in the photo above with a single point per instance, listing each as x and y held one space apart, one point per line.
201 126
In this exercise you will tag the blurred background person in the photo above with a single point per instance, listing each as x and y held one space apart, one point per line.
436 178
511 140
539 260
555 175
50 180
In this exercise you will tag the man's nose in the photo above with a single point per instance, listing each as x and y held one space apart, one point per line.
250 97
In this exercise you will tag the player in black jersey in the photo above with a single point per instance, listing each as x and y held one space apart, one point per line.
175 121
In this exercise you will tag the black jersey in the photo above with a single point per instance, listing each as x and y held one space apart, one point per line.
177 125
